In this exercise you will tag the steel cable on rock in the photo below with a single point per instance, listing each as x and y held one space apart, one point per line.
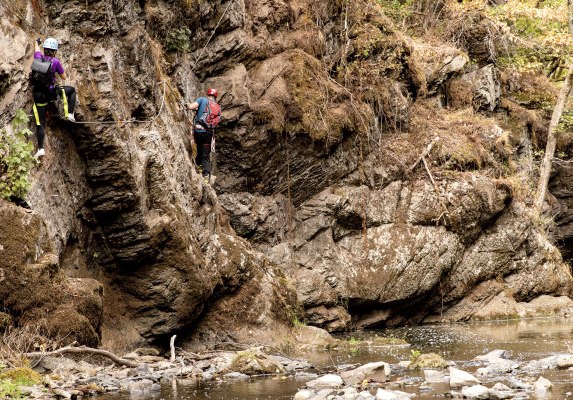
133 120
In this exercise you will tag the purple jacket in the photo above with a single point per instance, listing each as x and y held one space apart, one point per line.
56 66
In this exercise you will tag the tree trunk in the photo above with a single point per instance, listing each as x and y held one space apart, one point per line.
545 171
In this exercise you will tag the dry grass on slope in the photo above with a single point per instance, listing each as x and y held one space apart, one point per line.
302 98
467 141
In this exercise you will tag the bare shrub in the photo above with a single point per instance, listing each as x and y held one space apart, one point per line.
16 341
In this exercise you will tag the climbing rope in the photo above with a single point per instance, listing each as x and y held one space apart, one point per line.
165 84
133 120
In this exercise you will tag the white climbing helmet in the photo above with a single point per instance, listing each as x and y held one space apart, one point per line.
51 43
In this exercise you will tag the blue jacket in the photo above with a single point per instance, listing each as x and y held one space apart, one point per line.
203 101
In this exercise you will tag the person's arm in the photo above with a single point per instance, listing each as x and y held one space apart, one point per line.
192 106
36 46
63 76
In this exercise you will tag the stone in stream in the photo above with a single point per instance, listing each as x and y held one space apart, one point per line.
551 362
542 386
429 360
501 391
143 386
461 378
377 371
349 394
434 376
364 395
493 355
498 366
326 381
383 394
565 362
515 383
235 376
476 392
56 364
303 394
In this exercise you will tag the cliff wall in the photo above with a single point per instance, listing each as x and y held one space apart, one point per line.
322 208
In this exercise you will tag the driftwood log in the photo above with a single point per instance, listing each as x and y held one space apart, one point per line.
84 350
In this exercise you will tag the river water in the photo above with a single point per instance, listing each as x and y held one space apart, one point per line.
459 343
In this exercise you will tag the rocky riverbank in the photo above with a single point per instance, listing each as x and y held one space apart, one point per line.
455 362
498 377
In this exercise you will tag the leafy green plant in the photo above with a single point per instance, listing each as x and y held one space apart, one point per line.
16 158
297 323
354 341
398 10
178 40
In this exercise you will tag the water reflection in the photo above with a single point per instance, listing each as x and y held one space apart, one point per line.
460 343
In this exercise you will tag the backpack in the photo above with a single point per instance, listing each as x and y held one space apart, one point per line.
210 119
41 75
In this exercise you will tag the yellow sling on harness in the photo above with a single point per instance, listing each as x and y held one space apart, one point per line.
36 115
65 100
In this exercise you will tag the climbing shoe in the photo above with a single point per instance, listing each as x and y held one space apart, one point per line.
40 153
206 178
71 117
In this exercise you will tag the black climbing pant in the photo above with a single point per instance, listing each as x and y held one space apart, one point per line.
42 96
203 160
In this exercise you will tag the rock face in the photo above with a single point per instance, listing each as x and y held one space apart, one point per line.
316 204
35 291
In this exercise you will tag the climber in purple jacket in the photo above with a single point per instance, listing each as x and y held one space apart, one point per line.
45 88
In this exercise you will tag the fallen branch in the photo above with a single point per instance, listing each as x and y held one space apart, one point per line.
84 350
424 153
436 189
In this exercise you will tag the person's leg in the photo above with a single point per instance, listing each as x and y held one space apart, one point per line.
70 93
39 108
68 96
206 154
199 155
203 143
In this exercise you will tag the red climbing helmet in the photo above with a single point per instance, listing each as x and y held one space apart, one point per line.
212 92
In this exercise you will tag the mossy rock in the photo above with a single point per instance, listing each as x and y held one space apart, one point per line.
254 362
23 376
428 360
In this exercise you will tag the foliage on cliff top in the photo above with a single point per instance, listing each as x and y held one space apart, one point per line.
526 35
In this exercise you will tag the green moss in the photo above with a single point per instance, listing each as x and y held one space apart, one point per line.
382 341
24 376
12 380
428 360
